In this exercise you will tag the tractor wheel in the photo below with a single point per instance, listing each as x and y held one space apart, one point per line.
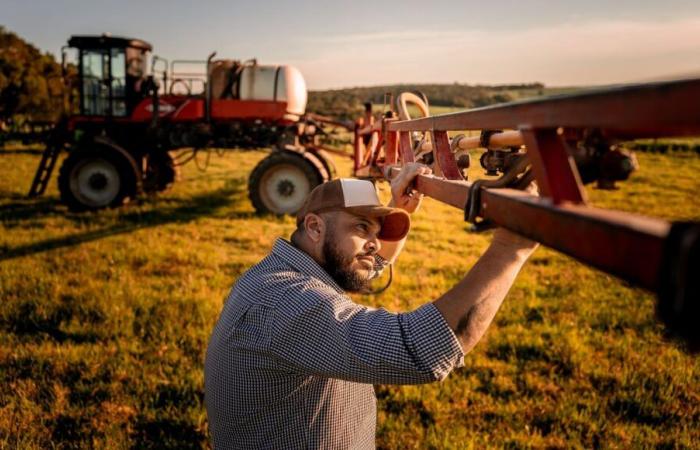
96 179
280 183
161 173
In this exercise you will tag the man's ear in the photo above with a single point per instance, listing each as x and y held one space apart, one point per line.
315 227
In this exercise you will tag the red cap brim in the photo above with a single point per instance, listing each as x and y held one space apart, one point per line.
395 222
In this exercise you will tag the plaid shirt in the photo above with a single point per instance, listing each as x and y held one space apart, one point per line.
292 360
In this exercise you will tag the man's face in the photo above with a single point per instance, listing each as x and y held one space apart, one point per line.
349 247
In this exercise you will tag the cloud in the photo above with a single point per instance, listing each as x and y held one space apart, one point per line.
404 36
572 53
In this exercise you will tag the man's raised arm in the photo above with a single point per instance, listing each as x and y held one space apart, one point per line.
470 306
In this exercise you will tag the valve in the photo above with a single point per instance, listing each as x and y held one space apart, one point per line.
597 160
495 161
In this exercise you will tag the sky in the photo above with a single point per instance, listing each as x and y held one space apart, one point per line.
364 43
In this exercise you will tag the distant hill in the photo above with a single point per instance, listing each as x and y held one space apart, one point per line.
348 103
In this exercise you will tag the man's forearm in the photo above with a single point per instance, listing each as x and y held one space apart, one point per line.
471 305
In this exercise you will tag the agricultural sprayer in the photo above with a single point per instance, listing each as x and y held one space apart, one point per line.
128 120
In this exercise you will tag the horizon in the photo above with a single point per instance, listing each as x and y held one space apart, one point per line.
558 44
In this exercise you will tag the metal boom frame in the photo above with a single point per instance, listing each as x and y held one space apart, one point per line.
641 250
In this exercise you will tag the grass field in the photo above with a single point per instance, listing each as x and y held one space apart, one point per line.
104 320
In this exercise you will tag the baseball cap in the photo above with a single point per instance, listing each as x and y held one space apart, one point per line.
358 197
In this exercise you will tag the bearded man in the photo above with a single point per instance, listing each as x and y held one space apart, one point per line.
292 360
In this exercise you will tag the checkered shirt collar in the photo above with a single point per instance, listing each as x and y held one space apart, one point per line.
303 262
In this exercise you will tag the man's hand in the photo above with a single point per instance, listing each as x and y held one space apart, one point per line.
402 193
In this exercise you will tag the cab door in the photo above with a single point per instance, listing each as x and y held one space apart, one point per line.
103 82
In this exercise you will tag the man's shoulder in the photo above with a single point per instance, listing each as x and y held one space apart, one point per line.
273 279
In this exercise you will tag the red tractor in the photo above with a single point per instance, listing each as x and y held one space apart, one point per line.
128 120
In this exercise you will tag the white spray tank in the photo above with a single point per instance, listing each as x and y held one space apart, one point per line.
252 81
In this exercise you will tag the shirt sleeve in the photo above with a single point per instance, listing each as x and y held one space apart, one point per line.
324 333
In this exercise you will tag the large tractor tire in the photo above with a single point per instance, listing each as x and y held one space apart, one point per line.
97 177
280 183
161 173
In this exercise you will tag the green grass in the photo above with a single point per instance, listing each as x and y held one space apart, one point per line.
105 317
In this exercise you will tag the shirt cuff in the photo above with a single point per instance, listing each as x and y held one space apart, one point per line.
432 341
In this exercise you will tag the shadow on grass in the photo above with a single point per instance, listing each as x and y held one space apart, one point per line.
21 151
166 434
393 405
199 206
32 319
26 209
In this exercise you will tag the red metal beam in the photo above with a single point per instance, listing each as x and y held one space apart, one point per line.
443 156
659 109
391 149
555 170
622 244
358 155
405 149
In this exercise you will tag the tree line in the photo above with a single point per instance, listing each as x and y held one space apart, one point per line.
348 103
30 82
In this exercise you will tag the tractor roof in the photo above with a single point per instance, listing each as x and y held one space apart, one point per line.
107 41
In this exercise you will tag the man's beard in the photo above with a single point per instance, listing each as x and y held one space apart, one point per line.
339 268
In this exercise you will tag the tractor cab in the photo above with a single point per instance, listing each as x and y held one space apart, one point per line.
111 73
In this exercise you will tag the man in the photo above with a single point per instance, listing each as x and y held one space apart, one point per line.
292 361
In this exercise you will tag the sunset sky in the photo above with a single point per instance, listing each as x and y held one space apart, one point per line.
359 43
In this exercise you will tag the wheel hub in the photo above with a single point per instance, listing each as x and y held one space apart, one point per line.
97 181
285 188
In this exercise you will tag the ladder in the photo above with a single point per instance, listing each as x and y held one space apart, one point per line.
49 157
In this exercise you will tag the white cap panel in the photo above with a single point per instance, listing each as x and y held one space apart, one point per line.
359 193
